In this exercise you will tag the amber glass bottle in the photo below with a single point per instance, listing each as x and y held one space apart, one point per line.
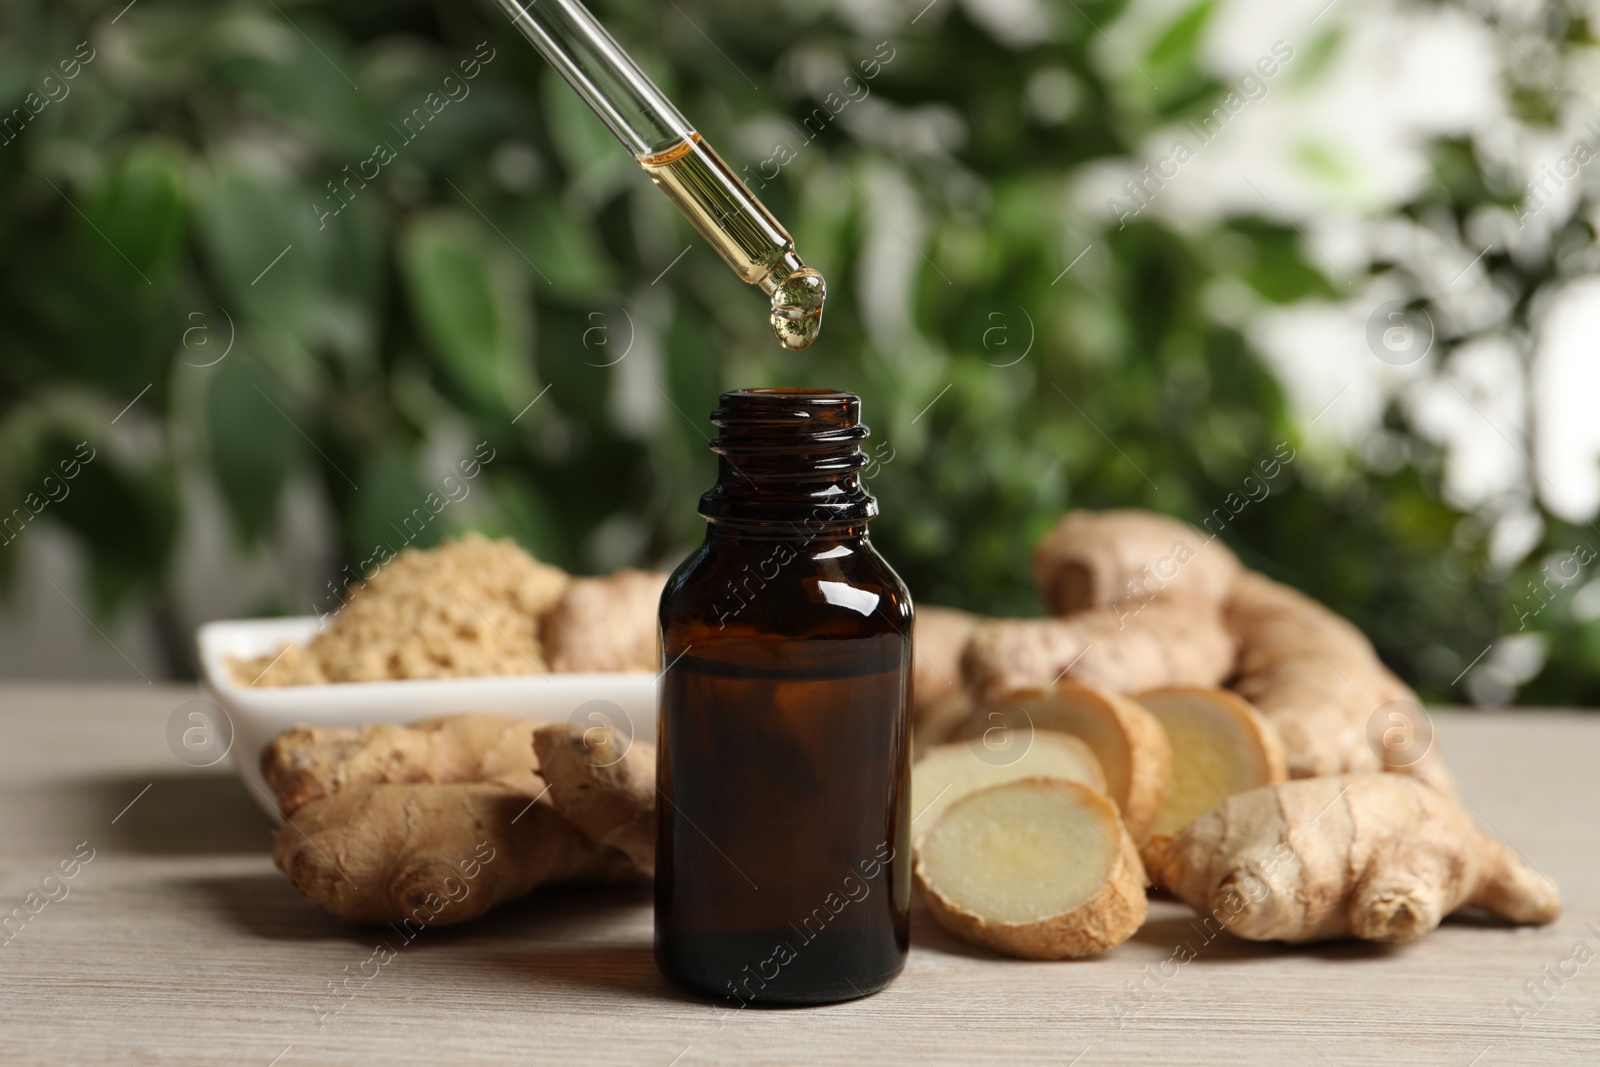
783 862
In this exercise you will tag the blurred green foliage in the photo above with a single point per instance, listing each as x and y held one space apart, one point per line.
193 195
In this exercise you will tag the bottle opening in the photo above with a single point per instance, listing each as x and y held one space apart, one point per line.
790 391
789 455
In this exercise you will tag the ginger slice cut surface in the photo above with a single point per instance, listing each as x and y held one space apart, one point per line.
1220 746
948 772
1128 741
1039 867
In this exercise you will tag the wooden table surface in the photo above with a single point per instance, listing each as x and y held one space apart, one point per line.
179 943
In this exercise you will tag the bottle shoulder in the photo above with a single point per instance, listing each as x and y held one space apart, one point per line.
817 587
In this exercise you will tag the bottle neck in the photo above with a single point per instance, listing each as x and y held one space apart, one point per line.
812 534
789 466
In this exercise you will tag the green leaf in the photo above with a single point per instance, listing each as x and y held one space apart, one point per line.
127 517
301 73
251 420
1279 269
350 261
257 233
578 353
1309 65
470 300
310 264
69 313
391 510
527 515
693 381
1326 163
567 251
1179 39
141 210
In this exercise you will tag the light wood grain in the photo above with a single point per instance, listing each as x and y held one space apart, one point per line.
179 943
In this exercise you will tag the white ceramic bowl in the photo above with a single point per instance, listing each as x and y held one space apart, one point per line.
624 701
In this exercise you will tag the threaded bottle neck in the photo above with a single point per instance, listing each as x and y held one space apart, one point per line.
789 457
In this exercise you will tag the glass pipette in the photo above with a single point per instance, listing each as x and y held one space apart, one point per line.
678 159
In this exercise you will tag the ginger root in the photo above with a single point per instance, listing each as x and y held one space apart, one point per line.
939 722
439 821
946 773
1040 868
605 624
1122 648
1138 598
308 762
1382 857
433 854
604 785
1318 680
1093 559
1148 601
1127 741
1220 746
938 638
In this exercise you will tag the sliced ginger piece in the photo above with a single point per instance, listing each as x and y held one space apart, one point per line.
1383 857
1127 740
1040 868
946 773
1220 746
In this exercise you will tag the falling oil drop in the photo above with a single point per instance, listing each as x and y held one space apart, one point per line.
797 308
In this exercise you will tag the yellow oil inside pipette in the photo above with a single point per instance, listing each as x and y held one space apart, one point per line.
744 233
678 160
